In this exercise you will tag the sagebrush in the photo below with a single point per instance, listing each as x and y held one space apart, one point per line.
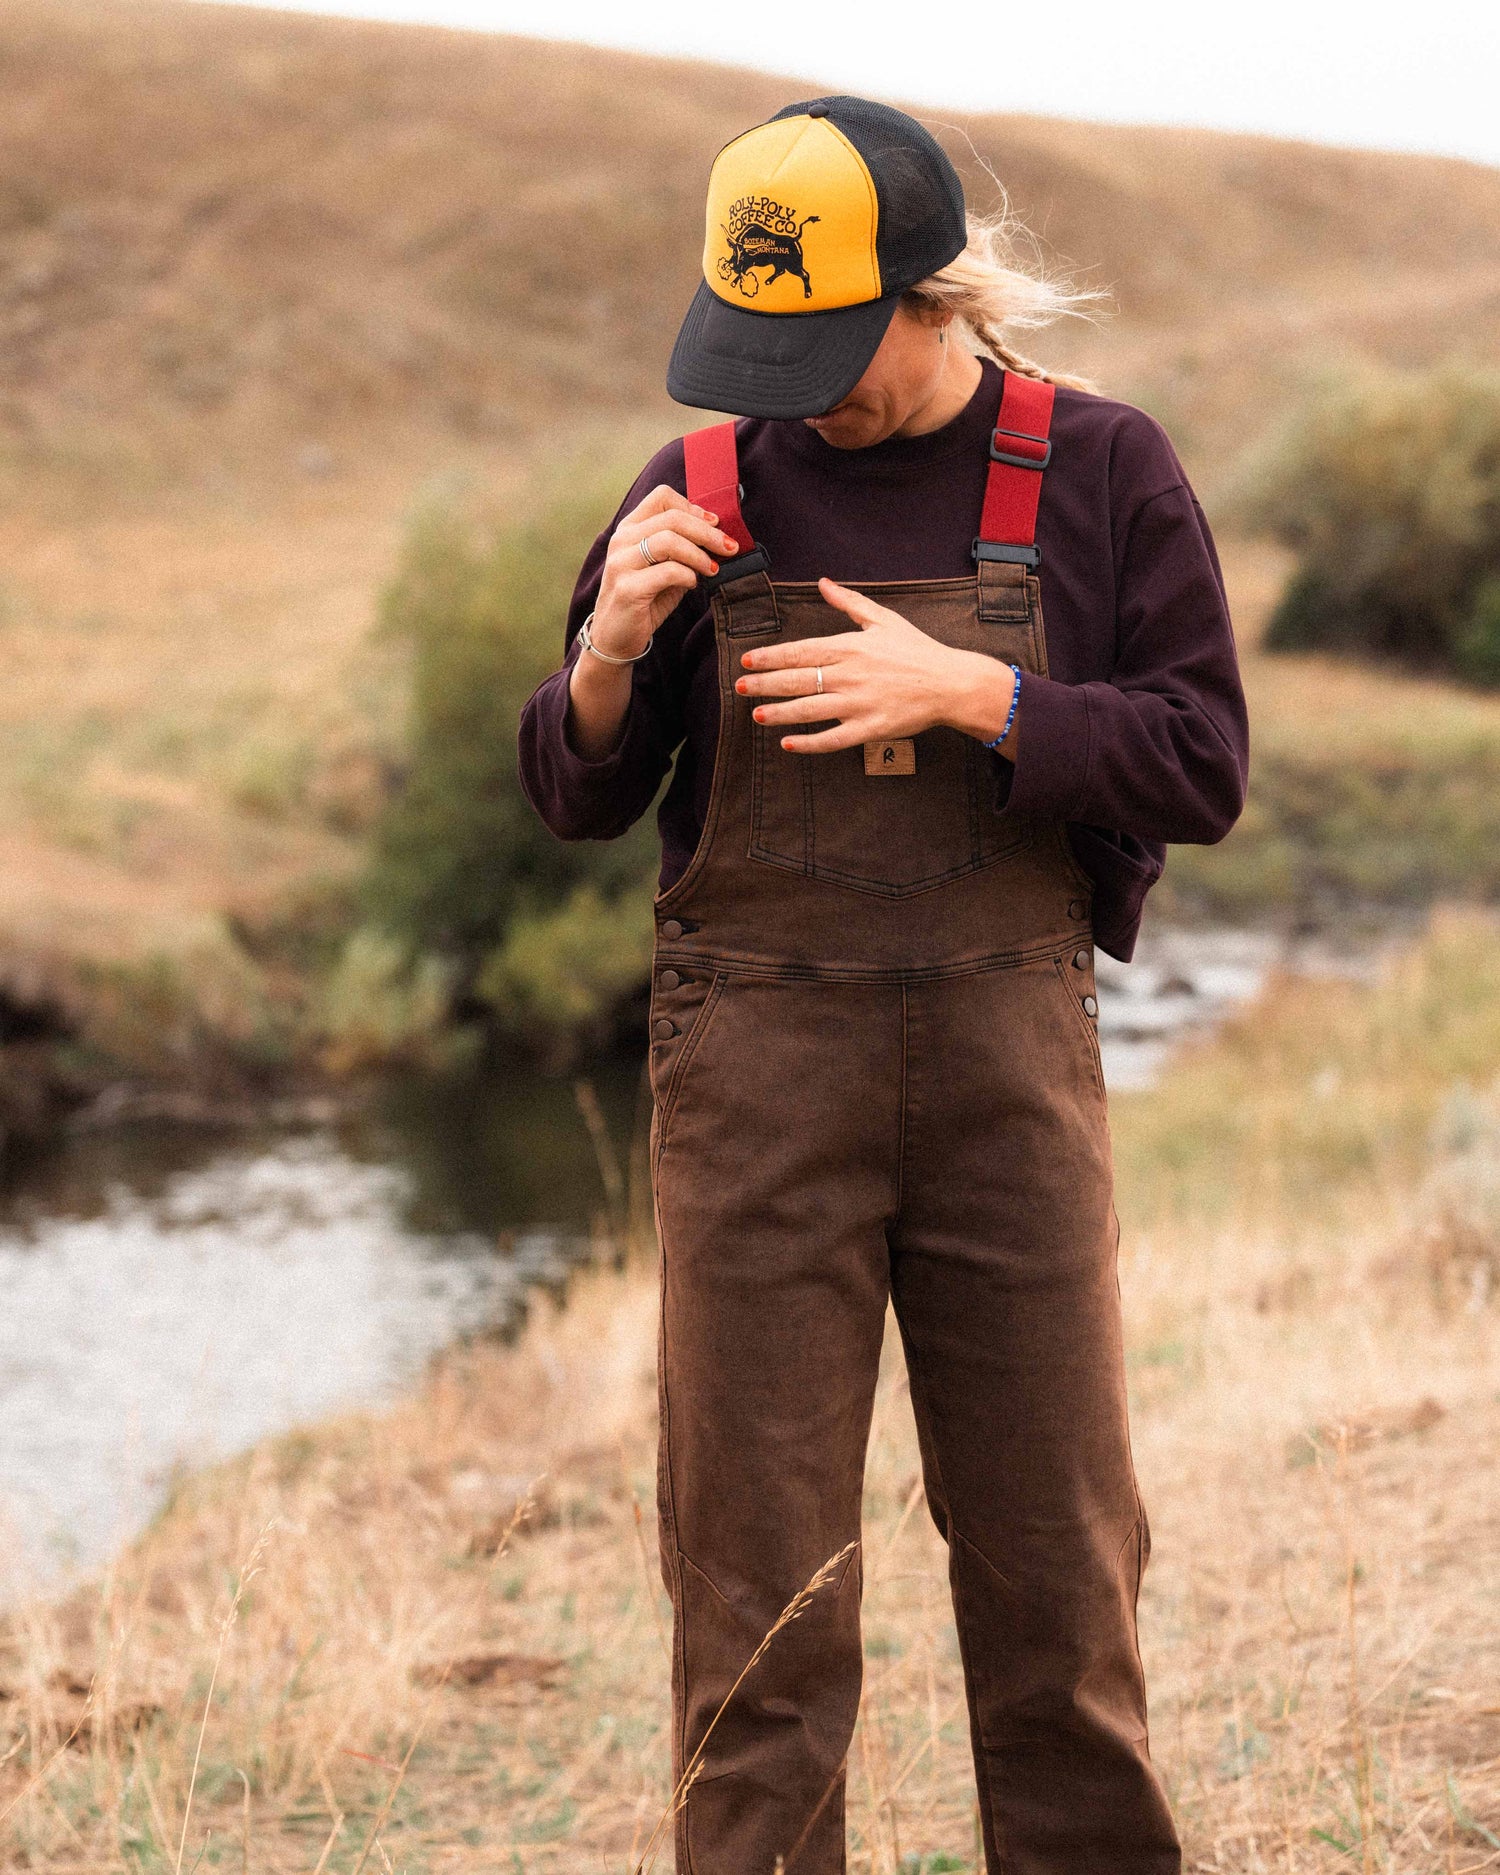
540 938
1386 486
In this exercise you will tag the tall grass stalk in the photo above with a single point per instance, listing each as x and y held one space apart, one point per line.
247 1575
400 1778
798 1605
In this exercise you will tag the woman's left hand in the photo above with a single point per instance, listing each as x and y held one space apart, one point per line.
887 679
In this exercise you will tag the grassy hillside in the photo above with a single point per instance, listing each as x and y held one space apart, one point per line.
268 283
238 232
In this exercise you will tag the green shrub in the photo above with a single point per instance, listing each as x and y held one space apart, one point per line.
1387 488
381 1005
1479 640
463 871
1329 828
559 971
1312 616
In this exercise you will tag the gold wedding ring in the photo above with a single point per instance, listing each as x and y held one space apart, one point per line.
644 543
818 673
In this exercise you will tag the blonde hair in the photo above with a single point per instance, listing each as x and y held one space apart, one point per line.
990 294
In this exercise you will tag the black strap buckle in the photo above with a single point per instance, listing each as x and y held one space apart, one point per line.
1021 462
1004 550
757 560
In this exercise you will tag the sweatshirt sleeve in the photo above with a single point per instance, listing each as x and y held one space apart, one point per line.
579 799
1161 750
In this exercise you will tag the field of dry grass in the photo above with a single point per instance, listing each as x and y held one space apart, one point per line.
432 1638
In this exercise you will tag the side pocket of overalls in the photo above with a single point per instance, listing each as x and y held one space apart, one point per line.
679 1020
1080 992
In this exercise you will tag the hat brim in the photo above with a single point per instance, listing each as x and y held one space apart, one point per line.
754 364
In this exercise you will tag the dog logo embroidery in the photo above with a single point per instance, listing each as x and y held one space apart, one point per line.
763 234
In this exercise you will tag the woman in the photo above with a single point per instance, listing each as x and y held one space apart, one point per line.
902 813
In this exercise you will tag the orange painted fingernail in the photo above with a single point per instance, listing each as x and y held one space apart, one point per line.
713 566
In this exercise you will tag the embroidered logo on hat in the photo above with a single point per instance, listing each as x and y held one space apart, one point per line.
808 247
761 233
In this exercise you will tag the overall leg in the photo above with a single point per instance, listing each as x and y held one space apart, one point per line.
1004 1283
775 1182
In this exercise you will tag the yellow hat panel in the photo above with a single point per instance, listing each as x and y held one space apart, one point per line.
791 220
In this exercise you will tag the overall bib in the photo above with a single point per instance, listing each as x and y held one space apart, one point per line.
876 1076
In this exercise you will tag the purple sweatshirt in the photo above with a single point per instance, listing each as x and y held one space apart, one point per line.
1137 737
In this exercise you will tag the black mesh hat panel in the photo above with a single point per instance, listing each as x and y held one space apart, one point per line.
921 200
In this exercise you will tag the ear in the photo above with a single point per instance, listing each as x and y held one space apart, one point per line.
923 312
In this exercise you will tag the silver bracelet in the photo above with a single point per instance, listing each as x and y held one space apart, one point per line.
588 644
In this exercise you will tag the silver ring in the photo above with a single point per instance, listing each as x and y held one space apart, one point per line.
644 543
818 673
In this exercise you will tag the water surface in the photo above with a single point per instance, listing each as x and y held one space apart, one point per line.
170 1295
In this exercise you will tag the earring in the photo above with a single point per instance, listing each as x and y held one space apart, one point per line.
942 335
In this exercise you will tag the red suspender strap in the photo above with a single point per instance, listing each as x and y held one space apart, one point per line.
713 478
1019 451
713 482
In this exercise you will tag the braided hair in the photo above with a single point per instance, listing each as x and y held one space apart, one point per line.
991 295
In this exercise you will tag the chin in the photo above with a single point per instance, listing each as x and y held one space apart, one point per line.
848 429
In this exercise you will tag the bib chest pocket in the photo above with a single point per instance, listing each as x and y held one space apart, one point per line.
891 834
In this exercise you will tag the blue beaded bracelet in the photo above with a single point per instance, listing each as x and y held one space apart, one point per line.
1015 698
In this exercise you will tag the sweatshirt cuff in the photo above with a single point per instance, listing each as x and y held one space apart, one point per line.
575 767
571 766
1052 750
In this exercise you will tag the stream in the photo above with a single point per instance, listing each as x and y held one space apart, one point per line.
169 1295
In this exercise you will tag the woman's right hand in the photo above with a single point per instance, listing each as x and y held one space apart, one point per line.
634 597
633 600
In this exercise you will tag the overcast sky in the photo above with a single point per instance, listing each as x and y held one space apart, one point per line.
1412 77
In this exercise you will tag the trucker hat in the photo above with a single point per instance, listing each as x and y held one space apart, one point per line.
818 220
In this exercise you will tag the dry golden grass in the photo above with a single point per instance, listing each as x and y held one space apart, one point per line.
466 1586
192 719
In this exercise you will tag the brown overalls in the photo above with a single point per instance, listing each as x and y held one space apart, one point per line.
876 1075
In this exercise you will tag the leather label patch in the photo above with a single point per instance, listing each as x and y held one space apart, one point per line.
891 758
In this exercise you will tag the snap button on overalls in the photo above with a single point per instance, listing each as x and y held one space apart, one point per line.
876 1075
